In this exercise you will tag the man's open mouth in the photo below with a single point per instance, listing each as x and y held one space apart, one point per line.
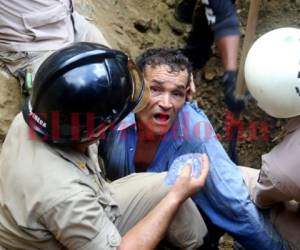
161 117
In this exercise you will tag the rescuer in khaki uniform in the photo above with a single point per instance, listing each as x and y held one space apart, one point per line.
272 75
52 194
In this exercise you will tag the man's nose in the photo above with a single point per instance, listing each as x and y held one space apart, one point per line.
165 101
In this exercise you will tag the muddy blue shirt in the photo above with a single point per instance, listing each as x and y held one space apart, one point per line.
224 198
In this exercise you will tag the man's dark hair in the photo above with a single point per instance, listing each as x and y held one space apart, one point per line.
165 56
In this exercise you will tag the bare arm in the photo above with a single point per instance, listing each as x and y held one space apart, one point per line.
228 46
150 231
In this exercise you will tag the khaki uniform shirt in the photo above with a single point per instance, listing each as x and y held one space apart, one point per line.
279 178
53 198
35 25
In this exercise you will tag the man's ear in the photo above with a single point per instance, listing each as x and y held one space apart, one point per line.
191 88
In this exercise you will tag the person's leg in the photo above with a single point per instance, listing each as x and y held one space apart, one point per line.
211 240
137 194
86 31
184 10
286 219
200 39
250 176
19 64
285 216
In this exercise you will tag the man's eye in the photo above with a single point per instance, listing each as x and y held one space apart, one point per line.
154 89
178 94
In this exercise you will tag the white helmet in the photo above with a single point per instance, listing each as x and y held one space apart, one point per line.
272 72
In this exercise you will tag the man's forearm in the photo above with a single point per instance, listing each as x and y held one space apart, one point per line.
147 233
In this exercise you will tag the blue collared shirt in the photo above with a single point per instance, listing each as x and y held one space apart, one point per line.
224 198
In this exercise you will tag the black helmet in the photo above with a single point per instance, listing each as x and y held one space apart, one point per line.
81 90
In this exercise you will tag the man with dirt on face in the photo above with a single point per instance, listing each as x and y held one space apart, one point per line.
31 30
272 73
52 193
168 127
213 21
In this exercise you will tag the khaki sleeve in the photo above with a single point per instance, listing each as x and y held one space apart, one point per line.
265 194
80 222
279 178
